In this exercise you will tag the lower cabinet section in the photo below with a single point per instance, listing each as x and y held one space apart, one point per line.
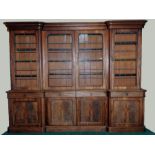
57 112
76 114
126 113
26 114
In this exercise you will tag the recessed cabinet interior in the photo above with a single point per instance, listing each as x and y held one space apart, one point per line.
76 76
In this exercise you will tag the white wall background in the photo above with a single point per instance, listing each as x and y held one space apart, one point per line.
148 72
4 77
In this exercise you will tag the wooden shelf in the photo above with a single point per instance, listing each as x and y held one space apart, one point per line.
62 49
26 43
60 74
90 60
60 77
123 51
60 43
124 75
25 75
129 32
126 43
90 49
26 49
99 73
124 69
59 60
124 59
26 61
91 43
26 70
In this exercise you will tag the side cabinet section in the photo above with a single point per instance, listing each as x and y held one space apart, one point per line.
126 113
26 112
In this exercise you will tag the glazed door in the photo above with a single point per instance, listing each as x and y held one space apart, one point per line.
58 60
91 59
25 60
125 58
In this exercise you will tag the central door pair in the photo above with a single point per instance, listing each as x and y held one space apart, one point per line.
75 70
81 111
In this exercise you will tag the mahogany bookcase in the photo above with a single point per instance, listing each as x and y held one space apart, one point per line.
76 76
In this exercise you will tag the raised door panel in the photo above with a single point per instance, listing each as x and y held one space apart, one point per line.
26 112
25 60
118 113
126 112
125 58
133 112
61 111
58 60
91 111
91 59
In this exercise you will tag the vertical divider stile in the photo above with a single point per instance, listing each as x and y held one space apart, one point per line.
75 76
65 58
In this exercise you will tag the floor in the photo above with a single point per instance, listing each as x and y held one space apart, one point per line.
146 132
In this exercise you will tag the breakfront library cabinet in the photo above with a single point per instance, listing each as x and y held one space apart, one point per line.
76 76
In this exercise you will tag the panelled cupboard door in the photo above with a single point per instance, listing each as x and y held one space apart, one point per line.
125 58
61 111
91 59
58 60
126 112
91 111
25 60
25 112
